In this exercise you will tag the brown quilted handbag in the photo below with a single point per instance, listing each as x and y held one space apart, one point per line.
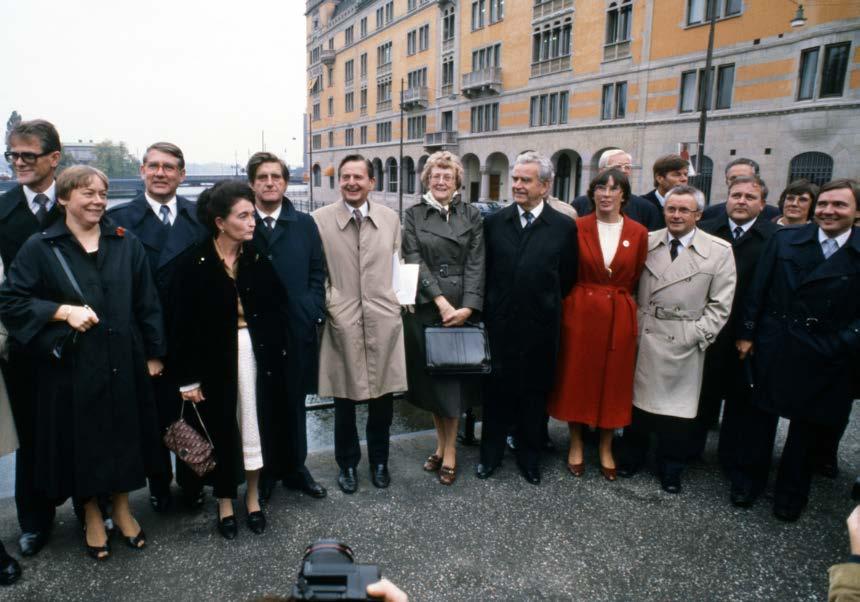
189 446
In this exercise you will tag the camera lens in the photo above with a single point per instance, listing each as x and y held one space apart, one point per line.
328 551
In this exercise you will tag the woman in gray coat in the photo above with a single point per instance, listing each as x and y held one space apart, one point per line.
444 236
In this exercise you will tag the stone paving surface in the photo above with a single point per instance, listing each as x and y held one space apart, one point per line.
500 539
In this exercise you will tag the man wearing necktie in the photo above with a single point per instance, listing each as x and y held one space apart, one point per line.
531 254
292 243
802 327
167 225
34 153
746 228
685 295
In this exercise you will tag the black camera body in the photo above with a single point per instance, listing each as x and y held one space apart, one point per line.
329 572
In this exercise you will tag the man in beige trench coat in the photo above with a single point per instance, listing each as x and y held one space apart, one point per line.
362 356
685 296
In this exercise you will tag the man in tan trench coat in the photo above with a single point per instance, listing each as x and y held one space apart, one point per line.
362 355
685 296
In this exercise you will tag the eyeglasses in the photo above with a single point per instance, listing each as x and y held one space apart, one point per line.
30 158
441 177
168 168
605 188
797 198
685 211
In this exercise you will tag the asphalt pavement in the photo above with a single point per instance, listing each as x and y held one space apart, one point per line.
499 539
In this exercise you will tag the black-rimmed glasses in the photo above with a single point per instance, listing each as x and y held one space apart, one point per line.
26 157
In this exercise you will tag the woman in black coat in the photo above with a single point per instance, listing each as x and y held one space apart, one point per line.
229 350
95 334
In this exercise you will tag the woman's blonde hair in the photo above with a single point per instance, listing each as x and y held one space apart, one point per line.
443 160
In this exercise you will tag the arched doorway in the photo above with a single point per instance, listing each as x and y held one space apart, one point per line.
421 163
568 175
317 172
379 174
498 187
703 179
813 166
472 178
408 175
391 174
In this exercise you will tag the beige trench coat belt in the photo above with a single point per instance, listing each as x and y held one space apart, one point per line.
673 313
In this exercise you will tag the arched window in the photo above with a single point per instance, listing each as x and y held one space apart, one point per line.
379 174
317 176
391 174
813 166
408 175
703 178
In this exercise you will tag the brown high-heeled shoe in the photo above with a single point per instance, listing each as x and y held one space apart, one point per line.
576 470
610 474
433 463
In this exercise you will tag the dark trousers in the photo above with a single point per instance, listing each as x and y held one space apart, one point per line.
676 441
295 417
510 403
168 403
347 451
738 412
35 511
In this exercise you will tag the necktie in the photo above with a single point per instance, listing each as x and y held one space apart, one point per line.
673 250
165 215
42 212
738 232
270 222
829 247
356 215
529 218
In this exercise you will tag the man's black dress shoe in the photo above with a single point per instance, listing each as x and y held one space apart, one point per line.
484 471
741 497
532 475
307 485
787 513
193 500
379 476
31 543
256 522
671 483
228 527
160 503
626 470
10 570
347 480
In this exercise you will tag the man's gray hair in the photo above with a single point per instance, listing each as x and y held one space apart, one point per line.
546 172
608 154
690 190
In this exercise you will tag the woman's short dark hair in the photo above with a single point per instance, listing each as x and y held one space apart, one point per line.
797 188
602 179
218 201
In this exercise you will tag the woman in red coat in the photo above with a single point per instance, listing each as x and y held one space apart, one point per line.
594 385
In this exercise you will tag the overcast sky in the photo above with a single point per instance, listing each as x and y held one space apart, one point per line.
208 75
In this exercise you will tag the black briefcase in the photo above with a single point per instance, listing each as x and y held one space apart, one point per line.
457 350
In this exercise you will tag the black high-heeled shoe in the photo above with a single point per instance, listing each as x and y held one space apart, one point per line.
98 552
256 521
138 542
227 526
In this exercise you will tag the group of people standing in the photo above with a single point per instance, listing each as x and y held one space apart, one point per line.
240 306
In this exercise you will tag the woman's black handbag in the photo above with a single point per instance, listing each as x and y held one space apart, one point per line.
457 350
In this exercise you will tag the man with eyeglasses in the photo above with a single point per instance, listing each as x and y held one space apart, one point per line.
637 208
167 225
29 207
685 294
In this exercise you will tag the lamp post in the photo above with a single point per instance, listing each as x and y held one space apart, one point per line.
400 161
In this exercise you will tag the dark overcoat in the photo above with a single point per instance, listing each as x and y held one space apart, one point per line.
651 197
803 315
529 272
295 249
451 259
638 209
204 350
95 419
722 367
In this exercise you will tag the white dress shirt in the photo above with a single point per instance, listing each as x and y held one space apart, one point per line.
51 193
535 213
365 209
745 227
156 207
274 214
840 240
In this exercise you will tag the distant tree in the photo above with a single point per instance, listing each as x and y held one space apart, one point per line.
115 160
14 119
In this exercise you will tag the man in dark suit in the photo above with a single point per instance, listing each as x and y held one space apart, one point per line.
24 210
740 167
531 254
637 208
292 242
669 171
802 321
167 225
725 375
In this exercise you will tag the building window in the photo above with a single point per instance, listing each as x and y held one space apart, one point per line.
411 5
383 131
484 58
316 111
383 91
416 127
317 141
331 139
497 11
551 42
696 89
448 76
348 72
347 35
362 27
349 137
330 73
485 118
330 106
362 62
331 43
383 54
423 38
391 169
479 14
331 182
363 100
618 22
412 42
362 135
548 109
389 11
318 85
380 17
813 166
614 101
317 173
417 78
349 102
448 25
699 11
315 54
833 71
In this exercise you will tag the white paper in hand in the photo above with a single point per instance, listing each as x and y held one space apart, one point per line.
407 283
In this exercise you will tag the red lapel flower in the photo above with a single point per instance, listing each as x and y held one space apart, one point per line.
120 231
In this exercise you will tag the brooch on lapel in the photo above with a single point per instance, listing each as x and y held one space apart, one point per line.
120 231
625 243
